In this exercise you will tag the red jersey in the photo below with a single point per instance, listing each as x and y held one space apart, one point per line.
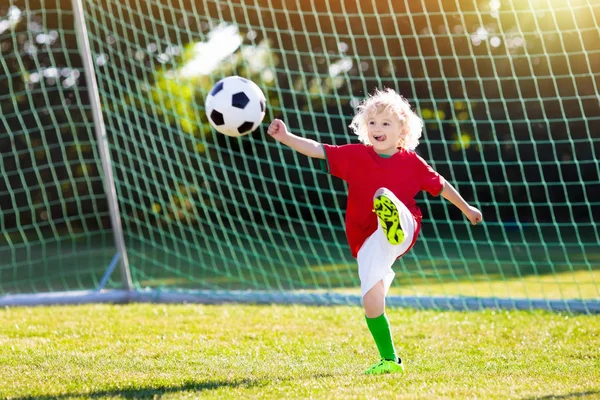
405 174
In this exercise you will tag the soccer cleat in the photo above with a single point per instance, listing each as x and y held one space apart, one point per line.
389 218
386 367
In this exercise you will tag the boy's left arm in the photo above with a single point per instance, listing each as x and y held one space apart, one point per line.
450 194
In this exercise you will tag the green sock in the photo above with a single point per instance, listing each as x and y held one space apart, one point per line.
380 329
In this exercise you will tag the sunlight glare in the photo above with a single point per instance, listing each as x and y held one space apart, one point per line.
222 42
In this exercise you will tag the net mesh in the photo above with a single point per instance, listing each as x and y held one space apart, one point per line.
508 92
53 214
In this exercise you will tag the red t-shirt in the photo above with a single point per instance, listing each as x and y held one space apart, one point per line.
405 174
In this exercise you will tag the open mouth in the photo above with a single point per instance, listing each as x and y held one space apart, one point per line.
380 138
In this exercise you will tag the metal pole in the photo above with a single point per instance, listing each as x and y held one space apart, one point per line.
109 183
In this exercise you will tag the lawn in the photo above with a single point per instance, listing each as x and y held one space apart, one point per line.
281 352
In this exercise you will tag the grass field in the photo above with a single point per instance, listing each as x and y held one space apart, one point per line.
243 351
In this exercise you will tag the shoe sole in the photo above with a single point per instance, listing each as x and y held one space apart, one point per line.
388 216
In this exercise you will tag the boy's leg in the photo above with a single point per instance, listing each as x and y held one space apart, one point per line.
374 301
374 304
376 275
375 260
379 326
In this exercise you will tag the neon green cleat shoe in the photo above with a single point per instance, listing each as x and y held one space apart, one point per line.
386 367
386 211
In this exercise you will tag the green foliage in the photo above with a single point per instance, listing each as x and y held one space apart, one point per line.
233 351
180 96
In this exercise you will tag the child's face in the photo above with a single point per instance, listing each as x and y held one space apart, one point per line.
385 131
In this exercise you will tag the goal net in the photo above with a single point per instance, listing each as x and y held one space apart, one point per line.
508 91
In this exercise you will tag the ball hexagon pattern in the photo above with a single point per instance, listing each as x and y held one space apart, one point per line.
235 106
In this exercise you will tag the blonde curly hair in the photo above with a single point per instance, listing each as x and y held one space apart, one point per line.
387 100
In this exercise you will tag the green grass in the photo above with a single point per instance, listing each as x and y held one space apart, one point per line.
282 352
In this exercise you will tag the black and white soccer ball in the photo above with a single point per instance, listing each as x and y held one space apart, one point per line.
235 106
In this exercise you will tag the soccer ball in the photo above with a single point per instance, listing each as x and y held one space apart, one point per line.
235 106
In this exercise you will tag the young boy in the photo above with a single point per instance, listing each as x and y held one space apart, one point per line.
384 175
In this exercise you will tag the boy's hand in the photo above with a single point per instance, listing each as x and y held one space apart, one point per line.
277 129
474 215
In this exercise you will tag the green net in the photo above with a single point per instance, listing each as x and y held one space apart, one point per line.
53 214
508 92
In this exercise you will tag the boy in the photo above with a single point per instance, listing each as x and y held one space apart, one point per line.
383 174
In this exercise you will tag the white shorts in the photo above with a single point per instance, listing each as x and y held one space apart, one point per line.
376 256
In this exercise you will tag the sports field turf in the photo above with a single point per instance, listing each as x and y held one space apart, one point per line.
244 351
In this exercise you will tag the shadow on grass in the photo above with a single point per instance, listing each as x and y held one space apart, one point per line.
158 390
593 393
153 391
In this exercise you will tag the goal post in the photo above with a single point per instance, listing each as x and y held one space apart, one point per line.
508 92
103 149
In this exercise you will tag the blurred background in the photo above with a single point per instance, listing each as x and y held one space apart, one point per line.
508 91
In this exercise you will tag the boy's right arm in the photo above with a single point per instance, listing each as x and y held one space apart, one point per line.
308 147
